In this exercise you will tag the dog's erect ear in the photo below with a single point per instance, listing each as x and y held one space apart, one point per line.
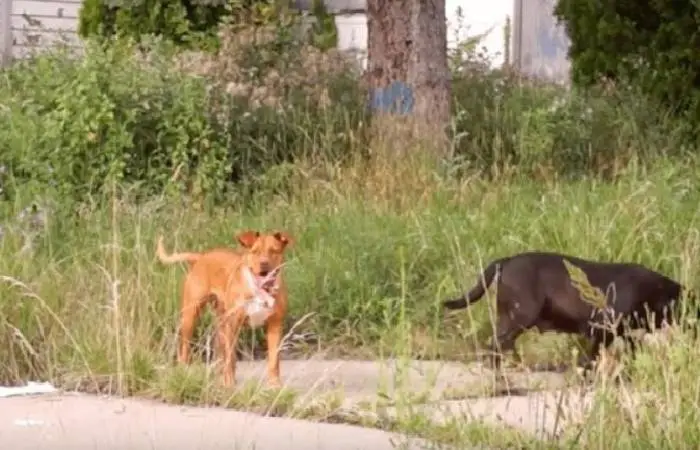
285 238
248 238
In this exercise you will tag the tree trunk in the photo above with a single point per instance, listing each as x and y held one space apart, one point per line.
388 41
407 64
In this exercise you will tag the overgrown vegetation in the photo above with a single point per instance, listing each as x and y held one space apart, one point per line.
194 24
652 45
101 154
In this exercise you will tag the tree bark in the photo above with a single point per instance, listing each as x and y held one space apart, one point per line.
389 41
407 46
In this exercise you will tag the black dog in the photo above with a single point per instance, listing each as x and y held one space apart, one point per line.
534 290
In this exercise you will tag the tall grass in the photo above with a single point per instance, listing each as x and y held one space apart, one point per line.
102 154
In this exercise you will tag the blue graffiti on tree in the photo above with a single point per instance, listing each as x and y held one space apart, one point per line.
397 98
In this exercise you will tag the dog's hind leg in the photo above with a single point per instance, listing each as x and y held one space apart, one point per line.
503 341
193 299
517 311
510 327
188 322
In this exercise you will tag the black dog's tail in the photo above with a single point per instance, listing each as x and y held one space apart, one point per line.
477 291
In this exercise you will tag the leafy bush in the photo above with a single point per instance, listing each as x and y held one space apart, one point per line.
277 98
149 116
114 117
195 23
502 120
324 34
182 22
652 45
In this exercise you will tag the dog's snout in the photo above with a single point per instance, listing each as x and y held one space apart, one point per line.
264 267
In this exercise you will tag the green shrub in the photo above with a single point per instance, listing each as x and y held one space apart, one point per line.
323 31
501 121
652 45
113 117
195 23
147 115
278 98
185 22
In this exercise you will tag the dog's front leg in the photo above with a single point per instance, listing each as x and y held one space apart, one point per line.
229 330
274 339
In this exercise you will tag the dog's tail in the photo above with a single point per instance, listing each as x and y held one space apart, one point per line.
477 291
175 257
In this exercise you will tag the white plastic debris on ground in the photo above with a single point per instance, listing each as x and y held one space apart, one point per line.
32 388
28 423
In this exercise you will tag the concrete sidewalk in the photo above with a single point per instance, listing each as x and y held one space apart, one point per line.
77 422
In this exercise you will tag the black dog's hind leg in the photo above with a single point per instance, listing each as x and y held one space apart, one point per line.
504 340
511 324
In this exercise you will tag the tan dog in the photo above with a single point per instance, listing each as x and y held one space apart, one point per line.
223 277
